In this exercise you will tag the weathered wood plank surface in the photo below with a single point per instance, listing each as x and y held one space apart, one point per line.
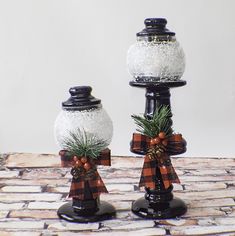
33 186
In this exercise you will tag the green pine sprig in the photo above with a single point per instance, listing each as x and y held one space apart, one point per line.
81 143
161 122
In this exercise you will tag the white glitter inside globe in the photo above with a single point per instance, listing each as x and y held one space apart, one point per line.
93 121
163 60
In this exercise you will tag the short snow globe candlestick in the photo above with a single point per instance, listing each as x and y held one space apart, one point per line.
83 130
156 61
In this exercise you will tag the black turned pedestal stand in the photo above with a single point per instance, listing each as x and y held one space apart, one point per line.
87 210
158 203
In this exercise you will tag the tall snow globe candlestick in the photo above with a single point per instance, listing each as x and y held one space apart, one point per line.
156 62
83 131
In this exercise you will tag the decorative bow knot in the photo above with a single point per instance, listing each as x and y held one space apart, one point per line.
160 159
92 176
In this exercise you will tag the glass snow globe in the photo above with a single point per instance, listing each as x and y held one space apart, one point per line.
83 111
156 56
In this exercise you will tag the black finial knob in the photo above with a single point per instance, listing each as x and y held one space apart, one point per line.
155 22
81 99
80 91
155 26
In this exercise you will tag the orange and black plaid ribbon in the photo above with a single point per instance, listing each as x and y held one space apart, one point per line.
141 143
95 182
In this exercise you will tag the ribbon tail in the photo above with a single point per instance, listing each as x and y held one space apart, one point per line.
97 186
77 189
148 175
168 174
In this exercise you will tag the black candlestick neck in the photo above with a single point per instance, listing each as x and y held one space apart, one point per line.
81 99
155 99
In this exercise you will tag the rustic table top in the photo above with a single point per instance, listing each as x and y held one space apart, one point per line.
33 187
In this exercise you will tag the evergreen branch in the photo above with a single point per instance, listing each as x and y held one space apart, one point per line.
161 122
81 143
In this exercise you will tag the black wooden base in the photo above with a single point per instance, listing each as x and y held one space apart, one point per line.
171 209
105 211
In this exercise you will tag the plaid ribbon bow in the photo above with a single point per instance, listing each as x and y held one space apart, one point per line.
96 184
141 143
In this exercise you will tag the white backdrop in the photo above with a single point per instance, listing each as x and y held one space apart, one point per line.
48 46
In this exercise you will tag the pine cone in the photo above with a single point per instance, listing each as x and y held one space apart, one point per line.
76 172
156 152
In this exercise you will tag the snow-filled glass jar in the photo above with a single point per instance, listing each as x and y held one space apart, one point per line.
84 112
156 56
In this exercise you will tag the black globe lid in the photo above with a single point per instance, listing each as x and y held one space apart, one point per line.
155 26
81 99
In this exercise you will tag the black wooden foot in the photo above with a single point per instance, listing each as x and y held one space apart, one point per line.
171 209
104 211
